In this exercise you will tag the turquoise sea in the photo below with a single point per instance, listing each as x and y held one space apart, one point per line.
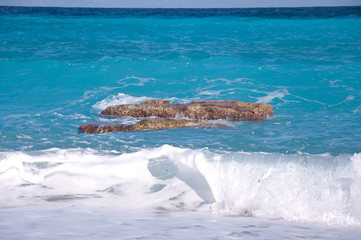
294 176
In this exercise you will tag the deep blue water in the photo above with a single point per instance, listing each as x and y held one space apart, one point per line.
60 67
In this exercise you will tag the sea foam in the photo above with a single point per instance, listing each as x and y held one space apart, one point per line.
118 99
307 188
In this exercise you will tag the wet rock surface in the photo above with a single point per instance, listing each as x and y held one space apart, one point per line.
198 110
168 115
147 124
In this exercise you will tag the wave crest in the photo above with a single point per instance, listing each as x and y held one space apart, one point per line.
304 187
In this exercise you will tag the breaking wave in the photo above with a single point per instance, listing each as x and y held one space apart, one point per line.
118 99
302 187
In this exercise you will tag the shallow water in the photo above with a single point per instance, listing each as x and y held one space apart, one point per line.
79 222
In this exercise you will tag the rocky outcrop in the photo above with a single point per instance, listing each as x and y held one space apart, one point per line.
178 115
198 110
147 124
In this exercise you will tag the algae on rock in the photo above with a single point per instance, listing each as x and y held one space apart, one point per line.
170 115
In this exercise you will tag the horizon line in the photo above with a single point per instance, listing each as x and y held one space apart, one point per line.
105 7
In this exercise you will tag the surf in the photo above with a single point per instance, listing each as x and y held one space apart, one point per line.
301 187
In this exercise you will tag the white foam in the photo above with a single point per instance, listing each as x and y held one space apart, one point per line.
272 95
57 172
210 92
356 162
356 111
118 99
302 187
122 98
134 81
23 136
288 187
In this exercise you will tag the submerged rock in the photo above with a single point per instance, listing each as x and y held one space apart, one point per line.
197 110
147 124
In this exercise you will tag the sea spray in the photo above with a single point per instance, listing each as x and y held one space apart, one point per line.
309 188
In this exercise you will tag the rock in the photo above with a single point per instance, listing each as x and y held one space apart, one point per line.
152 102
197 110
147 124
99 128
172 115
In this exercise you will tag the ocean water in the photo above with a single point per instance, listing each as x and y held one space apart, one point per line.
294 176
